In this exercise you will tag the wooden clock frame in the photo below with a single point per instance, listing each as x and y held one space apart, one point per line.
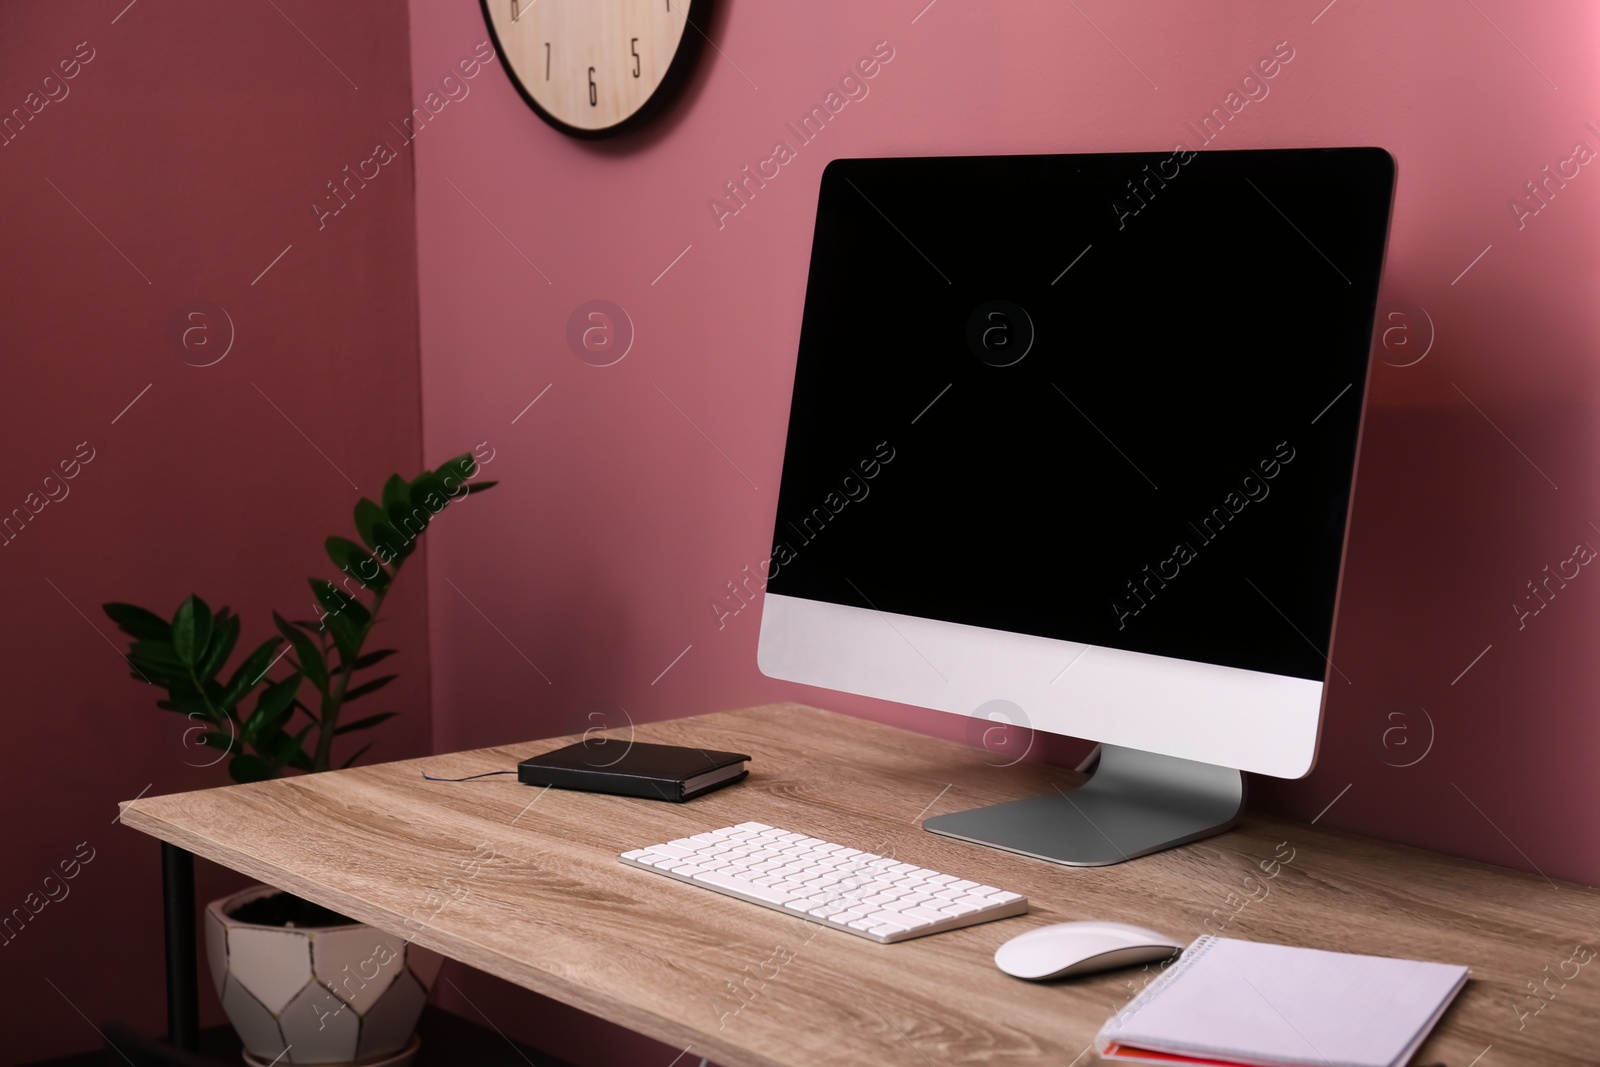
684 62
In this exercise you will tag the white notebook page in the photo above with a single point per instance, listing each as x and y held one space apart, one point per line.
1256 1003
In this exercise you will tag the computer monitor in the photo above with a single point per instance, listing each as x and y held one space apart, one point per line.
1077 434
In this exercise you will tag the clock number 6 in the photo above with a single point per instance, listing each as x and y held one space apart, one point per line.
633 48
593 99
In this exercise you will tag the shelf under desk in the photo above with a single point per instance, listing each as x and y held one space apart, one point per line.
555 912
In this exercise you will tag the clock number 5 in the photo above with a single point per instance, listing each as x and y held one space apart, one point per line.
633 48
593 99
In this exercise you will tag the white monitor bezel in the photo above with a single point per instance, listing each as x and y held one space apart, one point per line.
1249 720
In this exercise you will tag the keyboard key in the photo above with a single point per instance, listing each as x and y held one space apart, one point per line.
927 915
743 887
677 852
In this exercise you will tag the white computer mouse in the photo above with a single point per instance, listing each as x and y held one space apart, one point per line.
1068 949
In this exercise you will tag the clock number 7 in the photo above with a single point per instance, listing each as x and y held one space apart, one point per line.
593 100
633 48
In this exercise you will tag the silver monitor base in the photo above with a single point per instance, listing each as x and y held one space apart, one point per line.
1135 803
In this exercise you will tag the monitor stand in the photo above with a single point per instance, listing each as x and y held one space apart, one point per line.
1135 803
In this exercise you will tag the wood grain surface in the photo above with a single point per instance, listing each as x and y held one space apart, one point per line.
525 884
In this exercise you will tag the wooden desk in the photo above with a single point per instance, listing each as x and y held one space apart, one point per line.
555 912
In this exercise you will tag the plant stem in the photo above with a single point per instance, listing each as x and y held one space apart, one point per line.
341 682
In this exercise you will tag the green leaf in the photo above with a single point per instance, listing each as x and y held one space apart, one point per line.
204 623
160 666
158 655
180 690
224 635
372 658
156 652
347 636
346 619
362 724
478 487
348 557
217 739
191 630
272 709
407 521
390 544
429 486
247 768
138 623
368 516
330 596
396 493
306 650
463 466
250 672
373 524
338 602
285 749
362 751
368 687
297 754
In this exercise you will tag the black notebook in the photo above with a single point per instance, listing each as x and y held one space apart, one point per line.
634 769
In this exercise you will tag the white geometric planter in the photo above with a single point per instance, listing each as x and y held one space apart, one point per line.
329 995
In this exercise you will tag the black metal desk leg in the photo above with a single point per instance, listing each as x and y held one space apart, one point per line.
183 990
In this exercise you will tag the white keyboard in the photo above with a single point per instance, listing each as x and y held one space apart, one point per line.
858 892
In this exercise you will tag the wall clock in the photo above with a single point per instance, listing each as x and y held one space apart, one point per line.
592 68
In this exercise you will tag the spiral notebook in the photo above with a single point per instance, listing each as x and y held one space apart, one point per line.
1229 1003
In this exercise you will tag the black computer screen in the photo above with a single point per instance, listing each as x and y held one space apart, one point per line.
1109 398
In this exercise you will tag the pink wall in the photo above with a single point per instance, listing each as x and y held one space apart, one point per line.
594 567
194 140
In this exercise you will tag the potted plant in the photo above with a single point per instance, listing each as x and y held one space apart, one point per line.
302 984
